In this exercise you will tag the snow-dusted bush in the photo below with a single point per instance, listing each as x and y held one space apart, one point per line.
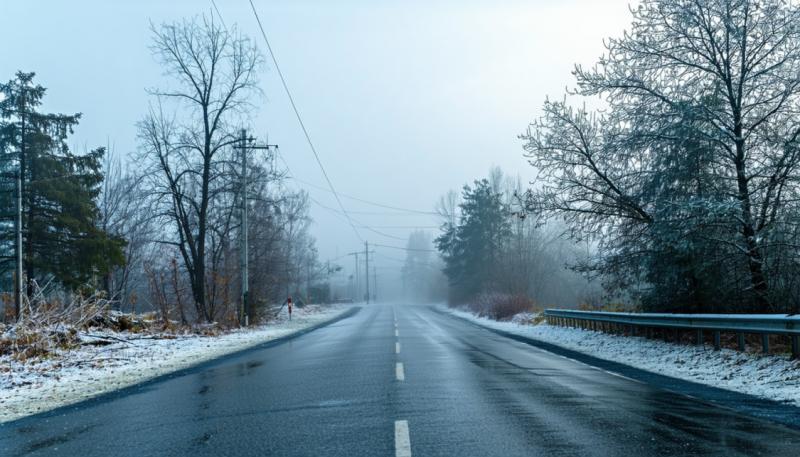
501 306
45 325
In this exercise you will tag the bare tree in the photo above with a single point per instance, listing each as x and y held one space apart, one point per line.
123 214
186 152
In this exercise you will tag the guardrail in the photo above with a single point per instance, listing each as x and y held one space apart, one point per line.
644 323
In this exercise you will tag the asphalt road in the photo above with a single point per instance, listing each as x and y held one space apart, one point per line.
397 380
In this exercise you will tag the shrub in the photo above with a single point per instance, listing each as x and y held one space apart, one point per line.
500 306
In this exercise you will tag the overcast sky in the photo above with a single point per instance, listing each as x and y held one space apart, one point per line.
404 100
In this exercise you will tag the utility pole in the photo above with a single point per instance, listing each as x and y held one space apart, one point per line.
366 252
18 245
308 279
356 275
366 270
18 220
245 309
244 248
358 289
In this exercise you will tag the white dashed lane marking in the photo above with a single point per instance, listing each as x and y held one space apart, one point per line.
402 442
399 372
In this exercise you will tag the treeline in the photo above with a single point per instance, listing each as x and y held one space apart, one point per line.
686 181
498 259
161 230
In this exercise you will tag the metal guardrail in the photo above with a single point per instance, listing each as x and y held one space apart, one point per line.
636 323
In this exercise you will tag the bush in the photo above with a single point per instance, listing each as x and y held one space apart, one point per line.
499 306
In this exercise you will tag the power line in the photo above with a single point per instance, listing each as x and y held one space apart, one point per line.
402 248
381 205
218 14
334 210
292 176
338 212
360 224
420 227
300 121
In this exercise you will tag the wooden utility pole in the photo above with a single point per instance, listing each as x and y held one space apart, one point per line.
245 143
18 249
366 270
18 219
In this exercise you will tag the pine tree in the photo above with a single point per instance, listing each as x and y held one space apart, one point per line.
473 248
61 239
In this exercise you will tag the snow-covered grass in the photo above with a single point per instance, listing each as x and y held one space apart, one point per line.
774 377
70 375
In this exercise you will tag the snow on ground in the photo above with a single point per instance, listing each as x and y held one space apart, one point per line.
75 375
773 377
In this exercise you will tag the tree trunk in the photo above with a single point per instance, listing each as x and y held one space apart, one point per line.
758 280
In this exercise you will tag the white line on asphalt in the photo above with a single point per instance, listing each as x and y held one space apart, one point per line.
396 348
399 372
402 442
396 332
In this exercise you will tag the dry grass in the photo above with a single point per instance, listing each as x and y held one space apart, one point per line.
500 306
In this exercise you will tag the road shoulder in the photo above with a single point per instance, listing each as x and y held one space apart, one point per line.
57 384
783 413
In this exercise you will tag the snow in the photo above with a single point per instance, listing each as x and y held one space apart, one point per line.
71 376
772 377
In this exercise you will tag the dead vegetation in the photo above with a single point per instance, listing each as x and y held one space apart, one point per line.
50 325
500 306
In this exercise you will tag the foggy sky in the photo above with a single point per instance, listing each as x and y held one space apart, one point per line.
404 100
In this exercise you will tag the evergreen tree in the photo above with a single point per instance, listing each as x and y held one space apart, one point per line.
473 248
61 239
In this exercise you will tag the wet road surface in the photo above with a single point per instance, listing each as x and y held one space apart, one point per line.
397 380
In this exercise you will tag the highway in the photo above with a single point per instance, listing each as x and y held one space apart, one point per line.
395 380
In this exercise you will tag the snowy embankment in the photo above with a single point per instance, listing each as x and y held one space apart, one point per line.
73 375
772 377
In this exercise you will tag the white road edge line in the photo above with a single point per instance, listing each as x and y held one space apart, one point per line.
399 372
402 442
396 348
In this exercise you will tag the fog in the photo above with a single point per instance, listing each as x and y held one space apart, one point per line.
404 101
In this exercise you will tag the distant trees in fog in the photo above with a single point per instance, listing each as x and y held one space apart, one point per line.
490 247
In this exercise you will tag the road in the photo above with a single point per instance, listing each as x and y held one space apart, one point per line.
397 380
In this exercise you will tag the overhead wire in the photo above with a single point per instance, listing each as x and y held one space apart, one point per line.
368 202
360 224
317 158
302 124
334 210
402 248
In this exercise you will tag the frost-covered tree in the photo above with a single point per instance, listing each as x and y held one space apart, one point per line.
689 180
